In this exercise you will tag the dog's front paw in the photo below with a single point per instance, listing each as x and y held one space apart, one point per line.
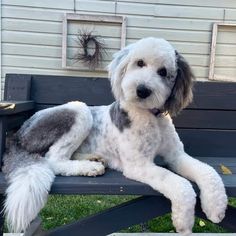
183 208
94 168
213 197
214 204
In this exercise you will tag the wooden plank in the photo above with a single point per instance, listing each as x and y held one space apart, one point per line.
169 23
46 51
55 64
55 52
101 6
208 142
116 218
15 121
14 107
59 72
35 38
207 95
64 41
17 87
40 62
225 61
20 12
48 90
226 49
34 28
198 119
65 5
206 119
134 21
214 95
169 11
230 14
228 72
94 18
226 24
35 228
113 183
213 50
226 78
202 3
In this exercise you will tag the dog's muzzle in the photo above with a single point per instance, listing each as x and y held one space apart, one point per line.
143 92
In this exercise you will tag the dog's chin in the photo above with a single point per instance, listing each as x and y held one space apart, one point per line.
146 104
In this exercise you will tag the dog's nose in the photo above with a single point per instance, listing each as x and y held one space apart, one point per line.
143 92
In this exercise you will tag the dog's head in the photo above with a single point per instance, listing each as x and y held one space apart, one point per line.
151 74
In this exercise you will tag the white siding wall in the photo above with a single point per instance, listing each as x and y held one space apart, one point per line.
32 31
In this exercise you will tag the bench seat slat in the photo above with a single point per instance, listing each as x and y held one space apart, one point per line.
14 107
113 182
118 186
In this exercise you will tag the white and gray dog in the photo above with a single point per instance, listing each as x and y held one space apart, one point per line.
151 82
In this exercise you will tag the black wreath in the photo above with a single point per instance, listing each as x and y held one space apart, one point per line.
92 60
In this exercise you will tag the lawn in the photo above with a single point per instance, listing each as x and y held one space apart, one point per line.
65 209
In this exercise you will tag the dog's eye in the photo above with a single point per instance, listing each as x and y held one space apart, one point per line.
162 72
140 63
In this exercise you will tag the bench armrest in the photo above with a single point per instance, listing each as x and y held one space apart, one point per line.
15 107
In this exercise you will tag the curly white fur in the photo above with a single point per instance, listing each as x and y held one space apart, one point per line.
128 134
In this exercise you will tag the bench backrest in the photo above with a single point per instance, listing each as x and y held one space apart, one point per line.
207 127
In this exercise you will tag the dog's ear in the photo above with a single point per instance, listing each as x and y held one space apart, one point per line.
117 69
181 94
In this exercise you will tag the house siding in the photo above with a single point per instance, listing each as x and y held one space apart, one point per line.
31 36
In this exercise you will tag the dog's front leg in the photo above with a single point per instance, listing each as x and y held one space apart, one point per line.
213 196
174 187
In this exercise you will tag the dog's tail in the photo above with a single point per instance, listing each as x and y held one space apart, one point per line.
28 188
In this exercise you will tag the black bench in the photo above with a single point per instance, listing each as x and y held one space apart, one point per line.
207 128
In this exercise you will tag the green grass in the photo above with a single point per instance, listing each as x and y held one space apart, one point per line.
65 209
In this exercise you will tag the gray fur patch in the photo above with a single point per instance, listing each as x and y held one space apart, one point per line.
15 158
42 130
119 117
181 94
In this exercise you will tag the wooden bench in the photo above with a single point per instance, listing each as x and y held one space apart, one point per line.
207 128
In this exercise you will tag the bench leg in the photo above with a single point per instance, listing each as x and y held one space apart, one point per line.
35 228
114 219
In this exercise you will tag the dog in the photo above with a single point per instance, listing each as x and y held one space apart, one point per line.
151 83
